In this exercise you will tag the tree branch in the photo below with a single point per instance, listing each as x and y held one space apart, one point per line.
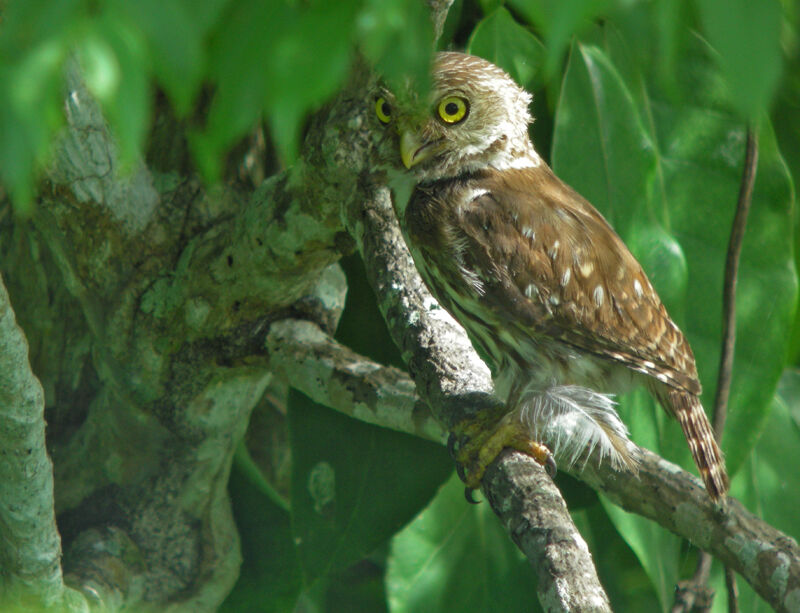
662 491
696 588
455 384
30 546
335 376
768 559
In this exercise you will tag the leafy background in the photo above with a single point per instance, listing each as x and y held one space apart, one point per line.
641 106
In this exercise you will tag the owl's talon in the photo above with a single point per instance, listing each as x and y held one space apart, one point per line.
461 472
550 467
451 445
468 491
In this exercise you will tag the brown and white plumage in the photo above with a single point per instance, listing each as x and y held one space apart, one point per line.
548 293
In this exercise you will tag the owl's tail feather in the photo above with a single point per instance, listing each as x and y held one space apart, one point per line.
702 443
575 420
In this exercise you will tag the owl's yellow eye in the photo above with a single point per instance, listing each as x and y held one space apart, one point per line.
383 110
453 109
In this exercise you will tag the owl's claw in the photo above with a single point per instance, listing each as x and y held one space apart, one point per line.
468 491
550 466
474 457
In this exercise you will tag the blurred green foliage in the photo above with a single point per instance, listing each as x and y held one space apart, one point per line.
645 104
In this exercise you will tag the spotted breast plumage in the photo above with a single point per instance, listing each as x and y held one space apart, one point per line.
548 293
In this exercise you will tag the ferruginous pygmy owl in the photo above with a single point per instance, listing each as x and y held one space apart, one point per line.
548 293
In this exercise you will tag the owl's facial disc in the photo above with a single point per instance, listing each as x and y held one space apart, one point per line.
418 144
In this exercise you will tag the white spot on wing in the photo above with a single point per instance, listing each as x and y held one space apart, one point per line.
586 268
553 251
528 232
565 277
532 291
637 288
476 193
599 295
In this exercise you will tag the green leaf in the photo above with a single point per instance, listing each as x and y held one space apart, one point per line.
353 484
31 23
270 579
502 41
559 21
747 36
237 56
684 181
667 176
30 115
127 106
173 44
657 549
455 558
600 145
397 37
275 58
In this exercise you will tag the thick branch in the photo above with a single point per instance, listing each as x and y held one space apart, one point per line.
455 383
768 559
662 491
30 547
337 377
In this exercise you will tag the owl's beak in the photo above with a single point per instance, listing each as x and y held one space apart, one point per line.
413 149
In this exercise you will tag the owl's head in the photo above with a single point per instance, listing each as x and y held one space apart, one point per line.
476 117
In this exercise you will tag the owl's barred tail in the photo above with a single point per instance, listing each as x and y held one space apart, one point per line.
702 443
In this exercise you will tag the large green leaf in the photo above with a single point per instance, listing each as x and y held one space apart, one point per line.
174 43
353 484
456 558
270 579
126 101
277 58
502 41
666 175
747 37
560 20
397 37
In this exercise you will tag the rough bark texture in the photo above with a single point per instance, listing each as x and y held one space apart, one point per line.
768 559
531 508
456 385
148 299
158 311
30 546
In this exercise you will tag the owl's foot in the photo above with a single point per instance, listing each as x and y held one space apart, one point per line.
483 447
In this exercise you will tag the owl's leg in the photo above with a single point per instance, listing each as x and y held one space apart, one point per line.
485 441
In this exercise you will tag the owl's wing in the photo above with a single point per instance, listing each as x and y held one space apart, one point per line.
548 262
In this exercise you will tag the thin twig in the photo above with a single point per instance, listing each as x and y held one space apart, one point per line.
729 289
692 592
733 590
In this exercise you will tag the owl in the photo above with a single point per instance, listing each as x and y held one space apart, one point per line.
549 295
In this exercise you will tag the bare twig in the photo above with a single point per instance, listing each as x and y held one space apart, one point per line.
729 289
693 593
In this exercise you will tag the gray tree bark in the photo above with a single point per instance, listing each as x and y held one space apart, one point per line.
158 311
